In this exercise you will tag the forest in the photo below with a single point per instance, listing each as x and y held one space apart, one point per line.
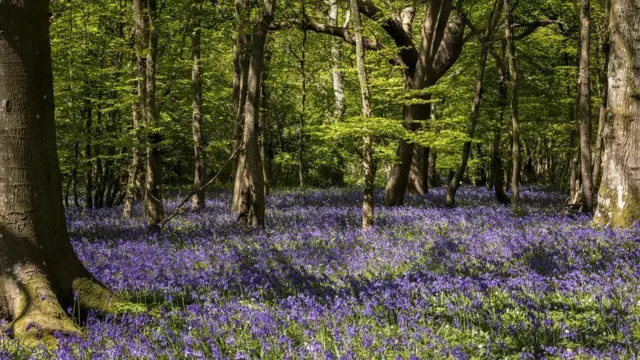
319 179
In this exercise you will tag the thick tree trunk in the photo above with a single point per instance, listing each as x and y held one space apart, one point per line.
369 175
250 165
619 195
154 210
39 271
515 121
241 60
417 78
197 202
585 110
450 199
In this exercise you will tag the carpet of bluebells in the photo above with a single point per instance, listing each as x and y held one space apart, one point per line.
428 282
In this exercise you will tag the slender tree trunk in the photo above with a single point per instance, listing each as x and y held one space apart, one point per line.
74 174
425 168
153 194
88 117
337 75
585 110
433 172
40 273
100 170
138 113
197 202
496 159
597 156
619 194
303 63
515 121
265 98
475 108
369 175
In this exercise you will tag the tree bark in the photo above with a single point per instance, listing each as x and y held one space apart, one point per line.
585 110
367 149
450 199
515 121
337 75
39 270
597 156
154 210
197 202
619 195
140 43
265 98
303 63
496 159
417 77
433 172
88 117
250 165
241 60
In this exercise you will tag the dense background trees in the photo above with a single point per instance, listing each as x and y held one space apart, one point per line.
277 80
152 93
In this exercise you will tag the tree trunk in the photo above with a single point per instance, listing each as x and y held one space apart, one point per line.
40 272
337 75
138 113
241 60
154 211
496 159
433 172
585 110
417 77
265 97
619 195
450 199
74 174
197 202
597 156
416 184
369 175
303 63
250 168
515 121
88 117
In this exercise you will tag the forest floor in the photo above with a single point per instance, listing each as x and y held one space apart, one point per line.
427 282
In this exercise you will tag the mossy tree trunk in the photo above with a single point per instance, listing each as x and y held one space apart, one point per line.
619 195
40 272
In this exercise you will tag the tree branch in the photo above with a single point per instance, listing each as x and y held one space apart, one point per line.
343 33
176 211
530 28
